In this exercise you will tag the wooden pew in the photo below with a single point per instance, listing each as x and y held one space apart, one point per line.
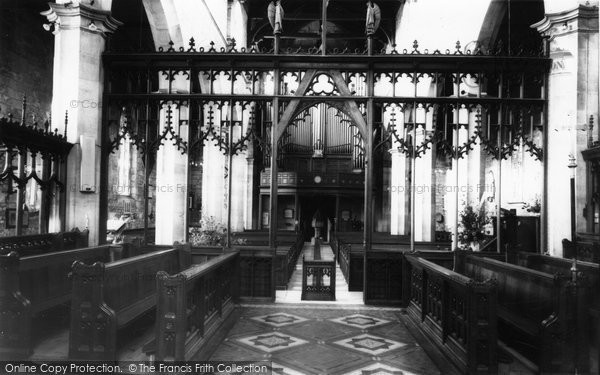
34 284
107 297
36 244
590 274
261 238
543 316
586 248
192 306
455 312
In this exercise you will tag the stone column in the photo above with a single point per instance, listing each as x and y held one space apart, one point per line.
422 185
398 193
214 183
458 179
171 181
80 37
573 96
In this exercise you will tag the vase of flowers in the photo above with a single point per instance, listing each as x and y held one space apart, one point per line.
209 233
472 228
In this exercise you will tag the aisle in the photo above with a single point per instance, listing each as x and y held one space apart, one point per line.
294 291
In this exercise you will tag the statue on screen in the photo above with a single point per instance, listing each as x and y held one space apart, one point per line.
373 17
275 15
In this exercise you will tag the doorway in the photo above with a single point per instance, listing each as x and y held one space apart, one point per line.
309 204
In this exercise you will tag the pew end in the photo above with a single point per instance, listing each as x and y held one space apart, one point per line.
92 320
15 309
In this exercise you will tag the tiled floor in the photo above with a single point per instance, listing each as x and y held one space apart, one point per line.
319 339
293 293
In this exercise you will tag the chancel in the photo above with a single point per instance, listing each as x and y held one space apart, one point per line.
321 186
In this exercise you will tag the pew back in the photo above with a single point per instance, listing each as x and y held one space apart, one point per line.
549 313
44 243
44 279
521 291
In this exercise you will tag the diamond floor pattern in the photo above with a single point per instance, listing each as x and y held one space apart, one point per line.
319 340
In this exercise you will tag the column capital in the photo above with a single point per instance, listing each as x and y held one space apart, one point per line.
81 16
583 18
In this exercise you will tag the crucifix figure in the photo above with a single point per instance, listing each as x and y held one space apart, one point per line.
275 15
373 17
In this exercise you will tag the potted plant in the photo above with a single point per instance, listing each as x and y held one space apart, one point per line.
472 227
209 233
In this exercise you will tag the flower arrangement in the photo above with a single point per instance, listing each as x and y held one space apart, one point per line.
534 207
472 226
210 232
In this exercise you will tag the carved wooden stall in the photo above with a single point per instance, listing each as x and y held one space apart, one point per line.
33 159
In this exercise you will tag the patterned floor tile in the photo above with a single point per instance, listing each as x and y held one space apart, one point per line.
277 369
360 321
370 344
379 369
320 330
271 342
279 319
228 351
323 359
412 358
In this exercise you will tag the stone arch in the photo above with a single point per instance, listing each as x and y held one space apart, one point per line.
164 22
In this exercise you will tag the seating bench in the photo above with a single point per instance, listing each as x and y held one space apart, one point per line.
107 297
33 284
539 313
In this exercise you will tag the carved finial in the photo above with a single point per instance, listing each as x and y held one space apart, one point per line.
23 109
275 15
192 44
416 46
66 121
171 44
373 18
458 46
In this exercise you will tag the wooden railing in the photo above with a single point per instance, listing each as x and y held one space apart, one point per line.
292 257
455 312
344 259
192 305
318 280
109 296
36 244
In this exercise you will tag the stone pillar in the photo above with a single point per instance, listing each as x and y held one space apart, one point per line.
249 222
238 192
476 166
214 182
573 96
80 37
171 181
398 193
422 186
457 178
